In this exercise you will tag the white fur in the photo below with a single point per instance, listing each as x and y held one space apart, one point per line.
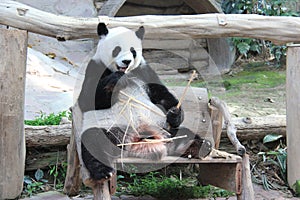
124 38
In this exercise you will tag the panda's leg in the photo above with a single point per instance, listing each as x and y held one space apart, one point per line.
98 153
191 146
97 169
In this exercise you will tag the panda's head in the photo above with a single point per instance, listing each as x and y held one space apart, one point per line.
120 49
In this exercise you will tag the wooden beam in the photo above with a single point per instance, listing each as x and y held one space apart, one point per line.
257 128
293 113
277 29
207 6
13 51
111 7
47 136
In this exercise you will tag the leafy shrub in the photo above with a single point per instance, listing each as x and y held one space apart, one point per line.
247 46
51 119
34 185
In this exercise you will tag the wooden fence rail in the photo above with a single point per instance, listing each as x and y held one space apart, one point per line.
276 29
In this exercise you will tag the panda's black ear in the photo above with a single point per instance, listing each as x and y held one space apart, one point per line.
102 30
140 32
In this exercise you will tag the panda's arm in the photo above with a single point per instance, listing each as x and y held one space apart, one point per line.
105 88
161 96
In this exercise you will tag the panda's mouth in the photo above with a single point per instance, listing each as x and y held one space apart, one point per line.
121 69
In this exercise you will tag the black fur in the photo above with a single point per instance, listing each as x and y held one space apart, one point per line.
102 29
105 89
98 170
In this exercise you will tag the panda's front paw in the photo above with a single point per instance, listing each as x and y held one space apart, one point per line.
174 117
116 79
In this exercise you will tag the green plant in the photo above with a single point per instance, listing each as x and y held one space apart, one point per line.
58 172
296 188
51 119
247 46
163 187
34 185
275 160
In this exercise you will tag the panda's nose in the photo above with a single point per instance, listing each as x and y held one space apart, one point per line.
126 62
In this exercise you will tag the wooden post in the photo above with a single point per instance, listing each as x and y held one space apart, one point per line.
247 188
73 180
13 53
293 113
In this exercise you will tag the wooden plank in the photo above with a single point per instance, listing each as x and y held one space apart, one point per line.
221 175
157 3
154 7
172 159
195 101
111 7
204 6
13 51
277 29
293 113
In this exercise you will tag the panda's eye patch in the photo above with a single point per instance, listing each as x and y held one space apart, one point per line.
133 52
116 51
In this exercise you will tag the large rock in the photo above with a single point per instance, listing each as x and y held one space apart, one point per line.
50 82
49 85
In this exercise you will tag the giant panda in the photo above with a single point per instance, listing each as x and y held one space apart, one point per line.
129 104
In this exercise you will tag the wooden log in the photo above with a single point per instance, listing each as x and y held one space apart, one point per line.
13 51
293 113
41 160
47 136
247 129
256 128
277 29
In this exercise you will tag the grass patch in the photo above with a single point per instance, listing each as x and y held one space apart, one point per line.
51 119
162 187
255 79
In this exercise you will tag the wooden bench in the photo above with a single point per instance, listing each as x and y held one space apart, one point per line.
221 169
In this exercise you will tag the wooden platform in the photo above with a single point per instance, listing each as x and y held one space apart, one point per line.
220 169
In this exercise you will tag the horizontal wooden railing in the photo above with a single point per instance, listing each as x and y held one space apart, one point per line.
277 29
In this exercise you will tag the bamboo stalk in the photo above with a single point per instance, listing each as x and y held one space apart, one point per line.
186 88
150 141
141 103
